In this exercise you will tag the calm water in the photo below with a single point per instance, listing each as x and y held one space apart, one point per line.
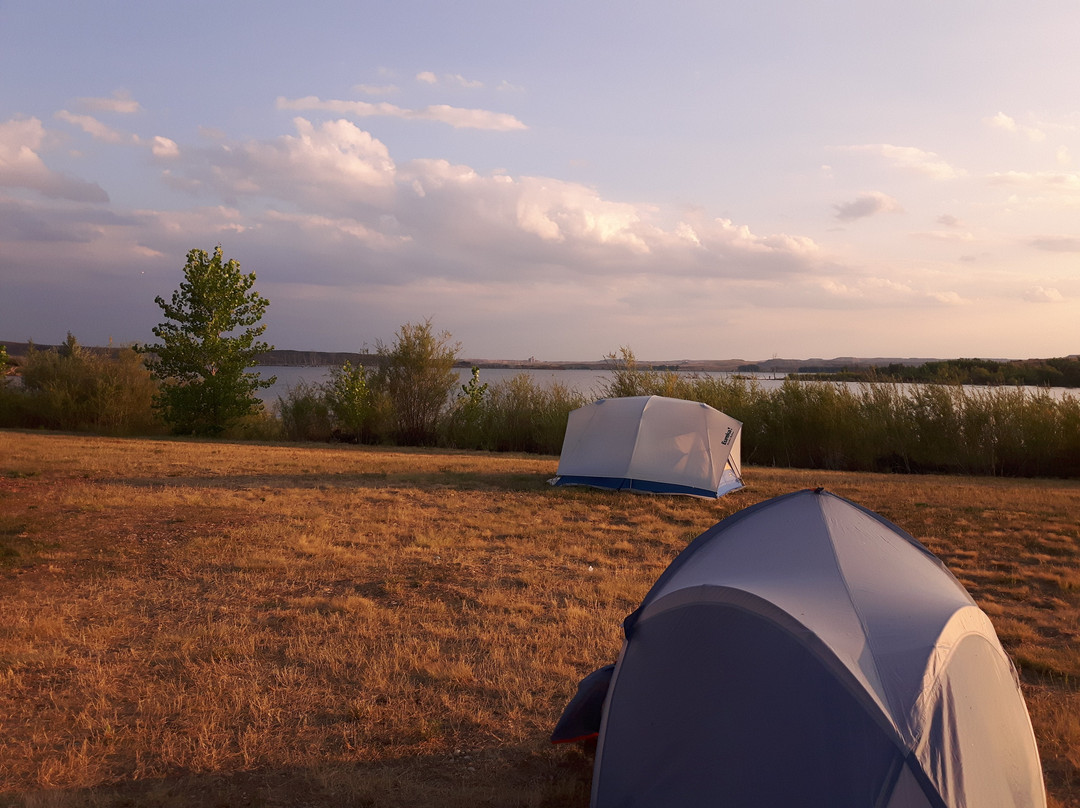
583 381
587 382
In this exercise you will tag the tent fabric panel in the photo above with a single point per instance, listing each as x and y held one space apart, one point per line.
683 443
717 705
600 438
978 747
784 555
582 716
911 791
869 590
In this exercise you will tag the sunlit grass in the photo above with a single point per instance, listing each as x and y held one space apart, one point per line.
189 622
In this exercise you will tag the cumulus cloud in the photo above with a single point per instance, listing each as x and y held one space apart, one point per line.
454 79
21 166
868 204
910 158
164 147
119 102
454 116
1008 124
95 128
327 167
428 217
1040 294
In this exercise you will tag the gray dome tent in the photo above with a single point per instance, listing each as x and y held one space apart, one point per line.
807 652
651 443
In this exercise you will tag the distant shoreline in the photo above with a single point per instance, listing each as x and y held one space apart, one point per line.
298 358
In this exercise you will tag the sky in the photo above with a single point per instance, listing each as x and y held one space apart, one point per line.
690 179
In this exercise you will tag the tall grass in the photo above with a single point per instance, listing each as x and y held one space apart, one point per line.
515 415
1000 431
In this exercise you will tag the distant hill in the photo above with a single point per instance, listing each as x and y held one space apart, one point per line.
296 358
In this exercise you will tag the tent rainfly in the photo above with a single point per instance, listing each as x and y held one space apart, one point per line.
651 443
805 651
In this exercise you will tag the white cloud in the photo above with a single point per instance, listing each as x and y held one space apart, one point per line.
325 167
164 147
1040 294
338 229
120 102
95 128
867 204
454 116
455 79
21 166
911 158
1008 124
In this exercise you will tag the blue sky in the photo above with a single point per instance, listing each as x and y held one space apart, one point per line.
689 179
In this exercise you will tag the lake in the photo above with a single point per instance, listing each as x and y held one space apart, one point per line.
587 382
582 381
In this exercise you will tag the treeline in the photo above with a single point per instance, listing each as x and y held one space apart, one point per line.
1061 372
411 395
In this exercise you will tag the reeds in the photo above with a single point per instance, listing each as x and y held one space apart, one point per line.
998 431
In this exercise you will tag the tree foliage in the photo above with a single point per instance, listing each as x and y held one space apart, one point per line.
351 402
413 380
208 342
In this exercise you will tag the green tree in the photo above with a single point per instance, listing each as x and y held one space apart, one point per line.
350 400
413 381
208 342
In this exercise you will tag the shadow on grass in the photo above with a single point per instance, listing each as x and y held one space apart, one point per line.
515 777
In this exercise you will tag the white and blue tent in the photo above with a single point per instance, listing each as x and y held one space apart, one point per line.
807 652
651 443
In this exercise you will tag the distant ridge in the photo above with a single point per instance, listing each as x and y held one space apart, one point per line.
297 358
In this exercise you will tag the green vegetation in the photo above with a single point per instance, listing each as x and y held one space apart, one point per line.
207 344
412 382
946 428
76 389
1062 372
408 400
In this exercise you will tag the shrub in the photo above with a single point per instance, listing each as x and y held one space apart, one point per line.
412 383
71 388
305 413
465 425
350 402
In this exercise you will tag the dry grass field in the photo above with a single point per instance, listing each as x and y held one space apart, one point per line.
209 624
